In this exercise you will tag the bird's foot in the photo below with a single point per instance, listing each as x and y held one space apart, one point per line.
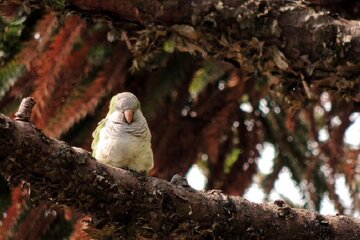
139 175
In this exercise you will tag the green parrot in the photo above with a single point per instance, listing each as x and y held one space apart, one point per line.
123 139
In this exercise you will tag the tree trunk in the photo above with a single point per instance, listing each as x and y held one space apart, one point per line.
126 204
286 42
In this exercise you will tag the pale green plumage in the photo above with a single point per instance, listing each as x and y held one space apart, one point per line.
123 143
101 124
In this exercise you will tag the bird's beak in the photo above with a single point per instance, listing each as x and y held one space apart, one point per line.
129 114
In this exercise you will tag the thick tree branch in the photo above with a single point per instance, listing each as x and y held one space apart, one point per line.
347 8
286 42
247 19
128 205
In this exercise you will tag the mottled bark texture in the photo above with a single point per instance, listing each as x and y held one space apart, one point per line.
297 48
129 205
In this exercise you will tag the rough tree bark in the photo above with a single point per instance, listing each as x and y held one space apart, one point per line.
311 50
126 204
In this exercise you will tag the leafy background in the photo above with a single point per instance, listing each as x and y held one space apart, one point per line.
204 113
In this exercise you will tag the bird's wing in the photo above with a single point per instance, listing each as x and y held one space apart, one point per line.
101 124
96 135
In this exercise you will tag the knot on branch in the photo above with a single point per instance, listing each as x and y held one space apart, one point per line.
25 108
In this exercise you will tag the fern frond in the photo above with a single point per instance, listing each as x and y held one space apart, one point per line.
75 108
87 96
79 233
10 41
9 74
42 34
77 67
37 222
22 86
58 4
15 23
210 72
19 197
49 67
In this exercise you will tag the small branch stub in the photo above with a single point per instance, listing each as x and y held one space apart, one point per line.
25 108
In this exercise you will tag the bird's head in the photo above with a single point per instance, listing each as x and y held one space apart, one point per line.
127 107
